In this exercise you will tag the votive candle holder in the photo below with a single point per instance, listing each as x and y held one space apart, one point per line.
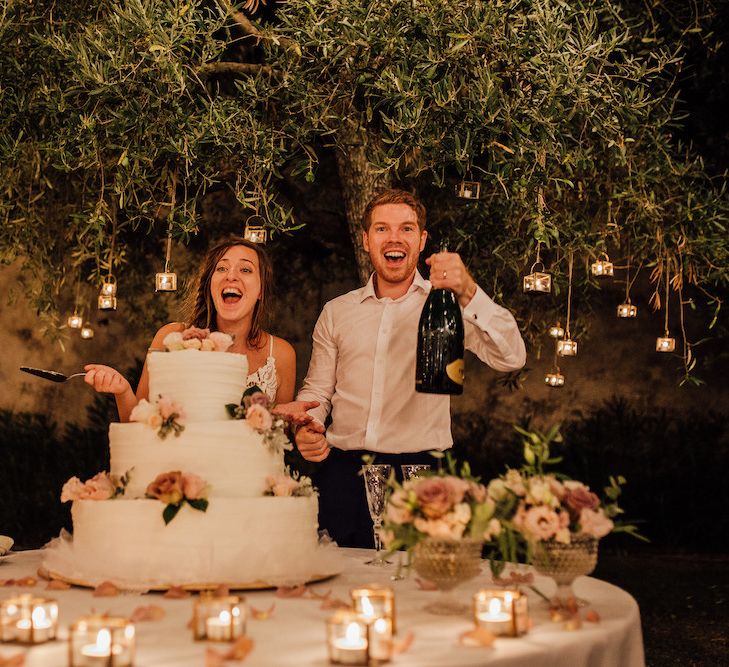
101 641
219 618
504 613
348 638
27 619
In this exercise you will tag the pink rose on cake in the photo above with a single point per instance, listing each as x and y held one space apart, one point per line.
221 341
175 488
165 415
100 487
258 417
284 485
194 338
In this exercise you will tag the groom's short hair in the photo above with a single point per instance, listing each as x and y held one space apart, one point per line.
394 196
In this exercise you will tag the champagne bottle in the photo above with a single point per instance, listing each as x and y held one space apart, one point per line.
439 360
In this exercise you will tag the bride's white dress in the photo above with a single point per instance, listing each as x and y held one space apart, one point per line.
265 377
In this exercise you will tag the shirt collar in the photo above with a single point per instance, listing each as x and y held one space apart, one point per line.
368 291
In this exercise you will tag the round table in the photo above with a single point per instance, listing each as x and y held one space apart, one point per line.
295 633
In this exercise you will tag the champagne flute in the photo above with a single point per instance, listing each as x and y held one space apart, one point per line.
410 470
375 480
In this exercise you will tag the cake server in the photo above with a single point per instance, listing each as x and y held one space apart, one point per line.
53 376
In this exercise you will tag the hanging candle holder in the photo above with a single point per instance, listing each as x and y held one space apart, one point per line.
627 310
468 190
556 331
566 347
107 295
554 379
255 230
87 331
666 343
166 281
602 267
537 282
75 320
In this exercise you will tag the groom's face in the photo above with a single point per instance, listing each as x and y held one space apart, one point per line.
394 242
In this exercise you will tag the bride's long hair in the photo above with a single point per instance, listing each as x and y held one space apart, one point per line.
200 304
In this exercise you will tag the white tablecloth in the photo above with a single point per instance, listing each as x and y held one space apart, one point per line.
295 634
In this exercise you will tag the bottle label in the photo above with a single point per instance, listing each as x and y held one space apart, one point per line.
455 371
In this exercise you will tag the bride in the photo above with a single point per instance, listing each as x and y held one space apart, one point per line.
231 295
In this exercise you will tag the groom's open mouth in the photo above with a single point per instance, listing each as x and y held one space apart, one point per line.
231 295
394 257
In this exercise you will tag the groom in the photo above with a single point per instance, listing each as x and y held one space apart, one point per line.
362 367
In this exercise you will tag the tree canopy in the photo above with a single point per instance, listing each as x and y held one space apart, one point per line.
119 117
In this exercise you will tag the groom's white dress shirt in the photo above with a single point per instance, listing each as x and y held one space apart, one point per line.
363 368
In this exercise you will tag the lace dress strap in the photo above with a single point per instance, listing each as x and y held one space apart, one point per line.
265 376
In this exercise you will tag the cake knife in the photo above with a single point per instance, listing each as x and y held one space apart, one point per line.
53 376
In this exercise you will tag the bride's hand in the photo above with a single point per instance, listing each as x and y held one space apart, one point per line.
106 380
295 411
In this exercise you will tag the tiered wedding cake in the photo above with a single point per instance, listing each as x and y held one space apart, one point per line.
203 497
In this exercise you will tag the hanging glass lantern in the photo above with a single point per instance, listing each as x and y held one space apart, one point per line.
537 282
554 379
603 267
75 321
627 310
165 282
107 295
468 190
665 343
556 331
255 231
567 347
87 331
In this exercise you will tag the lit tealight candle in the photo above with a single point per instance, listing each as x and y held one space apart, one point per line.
225 626
100 651
495 618
352 648
505 613
36 629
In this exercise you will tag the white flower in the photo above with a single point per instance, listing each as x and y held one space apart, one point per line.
143 411
497 489
540 493
192 344
461 513
513 481
208 345
173 341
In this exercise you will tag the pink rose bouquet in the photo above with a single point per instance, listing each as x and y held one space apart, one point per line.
284 485
175 488
257 411
536 506
448 505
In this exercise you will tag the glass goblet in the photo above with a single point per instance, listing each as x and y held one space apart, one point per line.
410 470
375 481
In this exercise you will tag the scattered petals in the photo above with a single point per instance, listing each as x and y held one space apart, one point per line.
477 637
148 613
402 645
238 651
43 574
591 616
425 584
319 596
335 603
515 579
106 590
290 591
176 593
26 582
263 614
57 585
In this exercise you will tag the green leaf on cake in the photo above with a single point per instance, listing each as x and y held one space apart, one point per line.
200 504
253 389
170 512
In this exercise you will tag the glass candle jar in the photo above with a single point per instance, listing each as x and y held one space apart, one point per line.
504 613
375 601
220 619
347 638
165 282
101 641
27 619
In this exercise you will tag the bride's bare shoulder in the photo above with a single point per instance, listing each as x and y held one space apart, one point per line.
172 327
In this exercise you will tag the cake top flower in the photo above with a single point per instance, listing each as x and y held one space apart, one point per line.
194 338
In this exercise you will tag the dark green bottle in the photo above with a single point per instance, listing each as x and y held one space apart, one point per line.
439 361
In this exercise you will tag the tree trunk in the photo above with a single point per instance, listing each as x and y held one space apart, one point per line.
360 183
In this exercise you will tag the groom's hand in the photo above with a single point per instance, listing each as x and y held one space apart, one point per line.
311 442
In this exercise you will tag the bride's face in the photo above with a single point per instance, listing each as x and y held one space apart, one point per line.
236 283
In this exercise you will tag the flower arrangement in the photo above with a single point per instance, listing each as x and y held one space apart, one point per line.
286 484
256 410
165 415
101 486
534 506
447 505
193 338
175 488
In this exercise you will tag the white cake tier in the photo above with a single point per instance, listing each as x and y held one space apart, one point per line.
228 455
201 382
238 541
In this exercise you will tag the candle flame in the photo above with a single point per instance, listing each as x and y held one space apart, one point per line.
38 616
103 639
494 606
507 598
367 609
353 633
380 625
224 617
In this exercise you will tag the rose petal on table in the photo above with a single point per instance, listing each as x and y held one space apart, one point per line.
425 584
17 660
574 623
106 590
319 596
43 573
403 645
26 582
57 585
214 658
591 616
290 591
334 603
515 578
148 613
263 614
572 606
240 649
477 637
176 593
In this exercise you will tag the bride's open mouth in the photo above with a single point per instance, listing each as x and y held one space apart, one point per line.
231 295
